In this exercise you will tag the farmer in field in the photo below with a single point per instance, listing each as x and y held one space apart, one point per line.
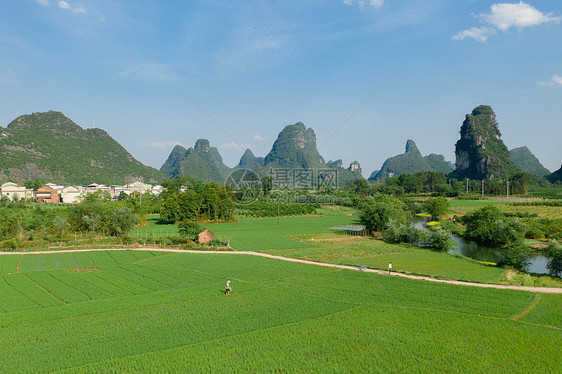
389 267
228 288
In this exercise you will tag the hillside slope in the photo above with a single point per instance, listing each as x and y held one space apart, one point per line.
51 146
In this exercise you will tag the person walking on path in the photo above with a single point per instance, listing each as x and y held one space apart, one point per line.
228 288
389 267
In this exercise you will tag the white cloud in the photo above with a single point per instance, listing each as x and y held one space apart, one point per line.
504 16
78 8
363 3
42 2
477 33
556 80
257 137
64 5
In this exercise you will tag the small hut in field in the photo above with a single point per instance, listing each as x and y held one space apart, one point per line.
206 236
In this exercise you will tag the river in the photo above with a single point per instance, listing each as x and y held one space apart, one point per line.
537 263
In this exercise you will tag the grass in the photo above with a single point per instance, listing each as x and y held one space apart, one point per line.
154 312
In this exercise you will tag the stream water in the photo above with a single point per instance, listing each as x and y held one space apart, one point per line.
537 263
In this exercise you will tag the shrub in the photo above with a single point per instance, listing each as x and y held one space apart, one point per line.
516 255
441 241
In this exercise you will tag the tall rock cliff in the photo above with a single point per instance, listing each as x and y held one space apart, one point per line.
480 152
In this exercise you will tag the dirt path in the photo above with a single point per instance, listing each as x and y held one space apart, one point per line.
551 290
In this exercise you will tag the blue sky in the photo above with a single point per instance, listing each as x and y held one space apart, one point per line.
158 73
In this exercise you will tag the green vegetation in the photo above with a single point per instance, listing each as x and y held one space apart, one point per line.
525 160
35 226
437 207
295 148
202 162
554 254
377 213
488 226
199 202
52 147
269 208
485 154
135 311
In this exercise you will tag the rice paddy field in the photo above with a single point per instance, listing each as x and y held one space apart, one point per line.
311 238
143 311
506 206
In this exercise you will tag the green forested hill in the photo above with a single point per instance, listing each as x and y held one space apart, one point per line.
525 160
410 162
51 146
556 176
201 162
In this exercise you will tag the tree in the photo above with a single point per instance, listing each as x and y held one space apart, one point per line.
480 225
515 254
507 231
59 225
520 183
377 214
359 186
441 240
122 220
189 230
410 183
437 207
34 184
554 254
266 184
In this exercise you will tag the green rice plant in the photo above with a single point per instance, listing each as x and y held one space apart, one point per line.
73 279
31 290
9 263
12 298
118 279
67 293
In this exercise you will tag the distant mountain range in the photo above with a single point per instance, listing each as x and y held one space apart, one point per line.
294 149
52 147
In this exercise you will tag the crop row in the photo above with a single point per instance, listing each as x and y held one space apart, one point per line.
59 261
280 316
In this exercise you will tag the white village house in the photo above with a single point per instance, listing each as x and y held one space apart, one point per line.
15 191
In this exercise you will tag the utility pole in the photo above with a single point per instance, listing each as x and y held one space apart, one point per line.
467 186
482 187
507 190
278 199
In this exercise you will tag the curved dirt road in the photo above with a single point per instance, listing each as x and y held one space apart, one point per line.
550 290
